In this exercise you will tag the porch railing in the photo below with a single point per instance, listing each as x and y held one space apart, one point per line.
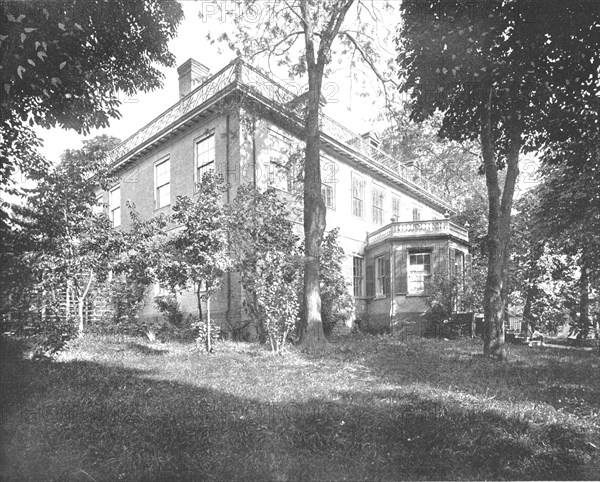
398 229
257 82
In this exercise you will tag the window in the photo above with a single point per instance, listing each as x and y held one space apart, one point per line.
114 206
358 196
279 176
328 195
378 196
98 207
459 265
357 272
205 157
162 184
278 149
328 183
382 281
395 208
419 271
416 214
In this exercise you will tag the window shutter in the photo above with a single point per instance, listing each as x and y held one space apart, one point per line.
370 275
468 267
452 262
386 268
401 281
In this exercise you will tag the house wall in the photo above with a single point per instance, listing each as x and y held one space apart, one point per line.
138 186
240 158
353 230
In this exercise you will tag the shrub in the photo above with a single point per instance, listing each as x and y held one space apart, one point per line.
48 335
277 298
126 298
169 308
199 326
445 296
174 325
337 304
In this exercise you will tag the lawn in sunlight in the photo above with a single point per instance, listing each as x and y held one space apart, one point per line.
370 408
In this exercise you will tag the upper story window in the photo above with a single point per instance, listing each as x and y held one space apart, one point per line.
278 148
162 184
395 208
416 214
328 182
357 273
358 196
419 271
382 280
328 193
378 195
98 207
205 157
114 206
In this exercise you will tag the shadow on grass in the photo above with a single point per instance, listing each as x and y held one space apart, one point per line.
565 381
87 421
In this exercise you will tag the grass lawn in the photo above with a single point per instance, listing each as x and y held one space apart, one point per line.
373 408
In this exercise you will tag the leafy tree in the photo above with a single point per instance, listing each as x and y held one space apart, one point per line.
337 302
568 215
66 63
260 228
451 165
301 35
447 295
526 267
276 288
134 272
196 252
507 76
70 246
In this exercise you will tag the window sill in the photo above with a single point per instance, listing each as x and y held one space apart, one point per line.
162 207
380 297
415 295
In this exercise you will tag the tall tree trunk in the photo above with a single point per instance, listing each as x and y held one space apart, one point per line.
492 301
67 302
81 302
80 314
311 326
584 301
208 327
199 303
500 206
311 329
525 325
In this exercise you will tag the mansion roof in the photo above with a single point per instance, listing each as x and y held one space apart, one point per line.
240 77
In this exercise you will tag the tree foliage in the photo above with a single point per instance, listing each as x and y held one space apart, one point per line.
508 76
301 35
70 63
260 228
337 303
196 251
68 245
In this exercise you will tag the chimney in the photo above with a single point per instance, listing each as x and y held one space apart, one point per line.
371 138
191 74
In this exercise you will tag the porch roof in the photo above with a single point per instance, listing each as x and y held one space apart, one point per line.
417 229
